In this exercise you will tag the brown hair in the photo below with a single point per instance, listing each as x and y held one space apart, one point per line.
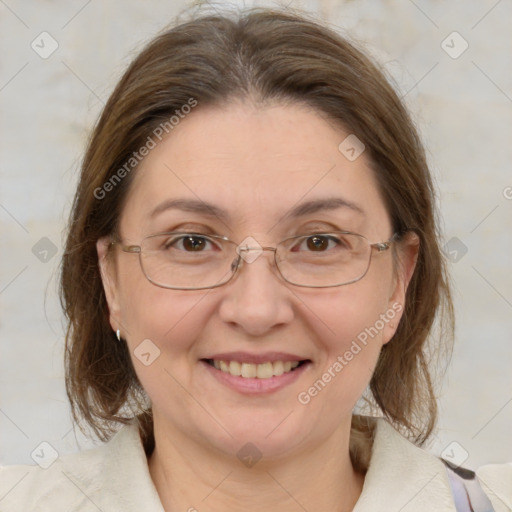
264 55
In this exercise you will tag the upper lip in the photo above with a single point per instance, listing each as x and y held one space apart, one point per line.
263 357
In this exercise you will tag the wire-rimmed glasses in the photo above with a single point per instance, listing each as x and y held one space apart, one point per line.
183 260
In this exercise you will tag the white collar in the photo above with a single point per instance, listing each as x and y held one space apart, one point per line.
115 476
401 476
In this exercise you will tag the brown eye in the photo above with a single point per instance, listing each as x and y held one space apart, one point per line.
187 243
193 243
317 243
324 243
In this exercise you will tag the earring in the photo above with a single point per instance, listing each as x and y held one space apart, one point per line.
118 334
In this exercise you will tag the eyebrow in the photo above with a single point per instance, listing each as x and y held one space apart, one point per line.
210 210
317 205
192 206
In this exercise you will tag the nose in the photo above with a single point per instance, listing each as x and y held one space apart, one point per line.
257 299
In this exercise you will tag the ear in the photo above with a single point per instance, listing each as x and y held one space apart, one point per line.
407 256
110 281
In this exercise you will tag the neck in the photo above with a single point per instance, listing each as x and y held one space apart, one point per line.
189 477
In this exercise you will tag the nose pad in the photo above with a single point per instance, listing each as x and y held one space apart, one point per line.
235 264
238 261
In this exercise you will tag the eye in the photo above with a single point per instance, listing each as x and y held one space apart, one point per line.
189 242
321 243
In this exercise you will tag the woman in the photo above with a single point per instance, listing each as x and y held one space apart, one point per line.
253 249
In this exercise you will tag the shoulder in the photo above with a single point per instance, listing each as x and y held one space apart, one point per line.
112 476
409 478
496 481
24 487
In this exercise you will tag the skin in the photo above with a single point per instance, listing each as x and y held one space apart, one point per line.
256 163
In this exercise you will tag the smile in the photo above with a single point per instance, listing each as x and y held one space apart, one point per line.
265 370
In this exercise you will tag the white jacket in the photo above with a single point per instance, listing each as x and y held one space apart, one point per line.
114 477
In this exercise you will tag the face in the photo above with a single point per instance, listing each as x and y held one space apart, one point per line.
256 165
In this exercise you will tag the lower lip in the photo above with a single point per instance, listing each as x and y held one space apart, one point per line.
255 385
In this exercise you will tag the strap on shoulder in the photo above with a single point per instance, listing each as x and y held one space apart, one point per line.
467 492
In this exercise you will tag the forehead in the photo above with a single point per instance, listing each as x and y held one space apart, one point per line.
257 164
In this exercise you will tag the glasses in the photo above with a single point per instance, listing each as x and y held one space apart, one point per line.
195 261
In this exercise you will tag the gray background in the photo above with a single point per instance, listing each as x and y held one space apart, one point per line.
462 104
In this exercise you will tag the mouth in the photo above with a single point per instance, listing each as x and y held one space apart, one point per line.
265 370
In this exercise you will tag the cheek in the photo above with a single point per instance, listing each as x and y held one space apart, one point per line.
358 312
172 321
162 322
350 322
354 348
171 318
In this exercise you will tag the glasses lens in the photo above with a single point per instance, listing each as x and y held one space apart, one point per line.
187 260
324 259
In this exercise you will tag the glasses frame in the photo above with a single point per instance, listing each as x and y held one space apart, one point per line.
379 247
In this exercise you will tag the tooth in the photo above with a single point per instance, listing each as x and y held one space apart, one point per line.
264 371
278 368
251 371
235 369
248 370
